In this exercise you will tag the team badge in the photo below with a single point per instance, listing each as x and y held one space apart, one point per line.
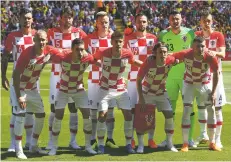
149 119
184 38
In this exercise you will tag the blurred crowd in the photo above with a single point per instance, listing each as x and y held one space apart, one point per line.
47 14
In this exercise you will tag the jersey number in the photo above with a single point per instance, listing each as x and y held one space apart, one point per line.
57 43
170 47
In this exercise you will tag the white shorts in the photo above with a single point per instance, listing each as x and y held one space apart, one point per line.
80 99
12 93
93 97
54 80
162 102
122 99
132 92
220 92
191 91
34 103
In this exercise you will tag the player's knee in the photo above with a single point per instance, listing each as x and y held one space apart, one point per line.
127 115
72 108
168 114
102 116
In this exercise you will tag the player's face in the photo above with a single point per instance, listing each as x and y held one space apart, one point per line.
161 53
67 20
78 50
199 48
40 40
26 20
206 22
141 23
102 23
175 21
117 44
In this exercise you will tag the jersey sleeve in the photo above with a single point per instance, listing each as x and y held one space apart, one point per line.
161 36
170 60
212 61
126 42
23 60
83 35
57 54
221 40
192 35
86 43
9 42
144 68
99 54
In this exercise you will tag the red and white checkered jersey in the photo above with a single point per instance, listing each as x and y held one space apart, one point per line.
113 68
197 71
17 42
93 43
154 76
71 79
30 67
141 48
214 41
63 40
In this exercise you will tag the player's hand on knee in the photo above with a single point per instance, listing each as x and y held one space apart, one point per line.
22 102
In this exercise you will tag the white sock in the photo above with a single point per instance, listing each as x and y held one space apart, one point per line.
73 124
12 135
169 129
128 131
94 123
186 122
38 126
211 123
101 130
87 126
50 122
140 140
219 117
151 134
110 122
29 122
202 118
18 131
56 127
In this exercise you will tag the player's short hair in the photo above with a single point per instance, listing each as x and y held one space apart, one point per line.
198 39
40 32
159 45
205 13
174 12
24 11
101 13
117 34
67 10
76 41
140 14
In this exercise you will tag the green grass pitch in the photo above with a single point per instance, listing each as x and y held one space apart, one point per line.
64 154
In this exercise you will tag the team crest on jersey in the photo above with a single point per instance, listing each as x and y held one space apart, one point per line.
149 119
184 38
212 43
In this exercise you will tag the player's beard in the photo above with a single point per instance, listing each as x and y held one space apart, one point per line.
67 25
141 29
